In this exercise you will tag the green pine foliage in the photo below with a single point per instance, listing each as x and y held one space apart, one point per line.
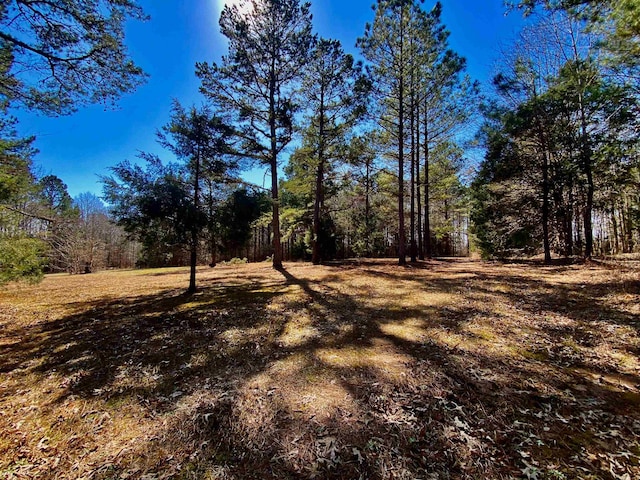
22 259
557 142
57 56
256 82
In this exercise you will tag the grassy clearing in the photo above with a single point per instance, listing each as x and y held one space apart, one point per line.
365 370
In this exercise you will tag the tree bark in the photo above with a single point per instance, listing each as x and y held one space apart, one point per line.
401 233
193 261
545 197
427 226
367 208
418 190
412 222
315 255
569 221
277 249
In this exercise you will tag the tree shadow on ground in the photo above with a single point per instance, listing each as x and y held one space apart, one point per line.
364 373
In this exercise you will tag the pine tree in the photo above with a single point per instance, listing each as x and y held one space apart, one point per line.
269 44
58 55
386 46
202 140
334 92
447 99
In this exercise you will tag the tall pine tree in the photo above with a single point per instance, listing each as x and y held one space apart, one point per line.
269 46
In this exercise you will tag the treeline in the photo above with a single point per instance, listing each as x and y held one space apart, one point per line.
561 173
42 229
374 155
53 59
365 158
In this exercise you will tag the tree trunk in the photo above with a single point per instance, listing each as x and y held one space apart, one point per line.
545 207
569 221
213 250
277 249
401 233
586 157
614 225
427 226
588 210
560 217
315 255
418 191
412 223
447 236
255 243
578 227
629 225
367 209
315 243
194 230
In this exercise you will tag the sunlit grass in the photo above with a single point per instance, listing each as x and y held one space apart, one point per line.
363 370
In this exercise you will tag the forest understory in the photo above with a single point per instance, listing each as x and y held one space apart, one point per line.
355 370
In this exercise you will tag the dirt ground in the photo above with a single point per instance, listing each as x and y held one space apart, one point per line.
357 370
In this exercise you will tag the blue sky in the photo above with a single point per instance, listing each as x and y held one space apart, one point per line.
81 147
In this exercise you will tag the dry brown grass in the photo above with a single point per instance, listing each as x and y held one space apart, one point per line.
367 370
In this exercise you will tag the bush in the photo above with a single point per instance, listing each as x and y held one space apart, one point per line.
236 261
21 259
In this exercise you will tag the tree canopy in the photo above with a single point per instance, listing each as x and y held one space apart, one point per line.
58 56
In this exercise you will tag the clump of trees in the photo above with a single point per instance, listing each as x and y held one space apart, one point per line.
372 151
54 58
421 101
175 207
363 152
42 229
356 125
561 172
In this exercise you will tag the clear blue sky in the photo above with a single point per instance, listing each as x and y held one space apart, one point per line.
80 147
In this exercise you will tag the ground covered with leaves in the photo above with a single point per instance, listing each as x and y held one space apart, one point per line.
359 370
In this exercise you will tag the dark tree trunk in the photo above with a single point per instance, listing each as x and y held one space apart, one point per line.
578 217
412 223
447 236
315 243
545 198
255 243
273 160
588 211
627 226
212 247
193 260
418 190
319 196
569 221
560 217
427 227
588 170
402 260
614 225
367 209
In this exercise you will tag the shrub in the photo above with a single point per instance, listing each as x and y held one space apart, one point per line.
21 259
236 261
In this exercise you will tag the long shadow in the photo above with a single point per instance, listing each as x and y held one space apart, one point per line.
467 389
434 410
163 330
591 315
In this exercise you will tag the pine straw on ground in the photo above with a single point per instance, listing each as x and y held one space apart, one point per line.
358 370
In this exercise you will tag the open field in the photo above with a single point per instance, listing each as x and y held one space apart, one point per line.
446 369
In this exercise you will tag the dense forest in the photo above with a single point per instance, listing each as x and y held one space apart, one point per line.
368 152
